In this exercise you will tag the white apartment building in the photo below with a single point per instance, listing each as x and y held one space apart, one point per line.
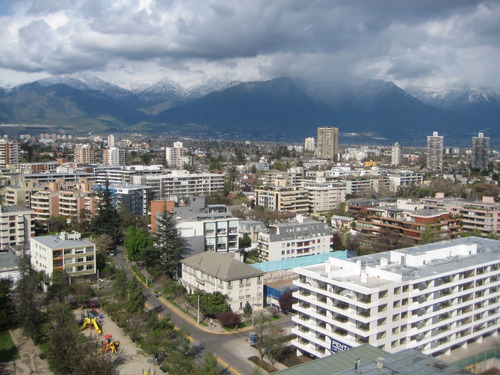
10 153
211 232
212 272
175 155
64 251
324 196
114 156
16 226
292 240
180 183
434 298
402 179
435 151
396 155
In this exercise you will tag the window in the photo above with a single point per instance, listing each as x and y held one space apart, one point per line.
382 307
397 290
382 294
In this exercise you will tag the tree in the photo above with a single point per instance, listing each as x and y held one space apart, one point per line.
247 310
168 247
104 243
28 301
229 319
107 220
6 304
427 235
209 365
64 344
245 241
120 284
272 340
137 241
286 301
136 299
59 286
57 224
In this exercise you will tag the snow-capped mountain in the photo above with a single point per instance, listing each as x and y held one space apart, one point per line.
85 82
457 97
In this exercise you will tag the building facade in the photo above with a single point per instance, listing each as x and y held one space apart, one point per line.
483 216
65 252
114 156
85 154
433 298
16 226
10 153
324 196
328 143
396 155
283 198
212 272
292 240
435 151
480 151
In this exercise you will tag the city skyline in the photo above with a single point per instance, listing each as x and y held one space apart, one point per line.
132 43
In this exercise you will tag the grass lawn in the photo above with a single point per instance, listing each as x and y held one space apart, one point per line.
8 351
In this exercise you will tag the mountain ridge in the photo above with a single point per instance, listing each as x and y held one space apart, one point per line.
280 109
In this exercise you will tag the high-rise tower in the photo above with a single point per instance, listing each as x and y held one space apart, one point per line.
396 154
480 151
435 151
328 143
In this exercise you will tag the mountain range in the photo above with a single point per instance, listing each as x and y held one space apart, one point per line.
281 109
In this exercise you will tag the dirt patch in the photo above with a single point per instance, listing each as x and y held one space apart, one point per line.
262 364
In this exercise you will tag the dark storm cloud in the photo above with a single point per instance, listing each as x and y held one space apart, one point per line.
400 40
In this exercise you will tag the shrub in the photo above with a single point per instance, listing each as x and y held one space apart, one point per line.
229 319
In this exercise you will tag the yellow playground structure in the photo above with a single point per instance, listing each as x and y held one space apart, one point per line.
88 322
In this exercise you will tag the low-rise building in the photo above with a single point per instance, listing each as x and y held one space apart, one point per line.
64 251
291 240
411 224
213 272
434 298
483 216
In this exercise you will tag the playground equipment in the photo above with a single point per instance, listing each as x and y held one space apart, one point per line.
110 346
91 322
148 372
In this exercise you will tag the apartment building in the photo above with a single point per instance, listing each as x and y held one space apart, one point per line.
114 156
85 154
43 167
434 298
16 226
411 224
403 179
396 154
175 157
10 153
292 240
213 230
64 251
132 198
212 272
435 151
483 216
324 196
19 195
327 146
180 184
283 198
480 151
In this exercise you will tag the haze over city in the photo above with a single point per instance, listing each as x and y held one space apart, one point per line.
132 43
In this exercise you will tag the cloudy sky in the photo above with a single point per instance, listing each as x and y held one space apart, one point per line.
429 43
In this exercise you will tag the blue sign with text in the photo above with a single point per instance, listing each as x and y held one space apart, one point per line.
337 346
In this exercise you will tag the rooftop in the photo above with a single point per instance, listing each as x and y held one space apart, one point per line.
374 361
221 266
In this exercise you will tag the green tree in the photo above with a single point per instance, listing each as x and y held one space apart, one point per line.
245 241
107 220
473 233
64 343
6 304
247 310
136 298
168 247
59 286
137 241
104 243
211 304
209 365
120 284
427 235
29 300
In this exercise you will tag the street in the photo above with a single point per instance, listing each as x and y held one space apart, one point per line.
231 349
